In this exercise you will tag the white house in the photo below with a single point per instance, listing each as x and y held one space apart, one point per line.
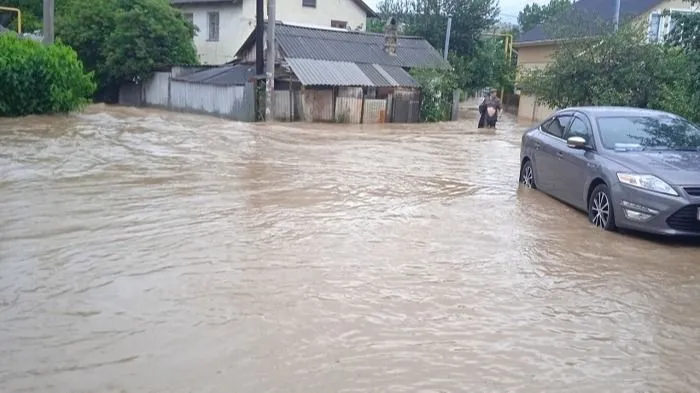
225 24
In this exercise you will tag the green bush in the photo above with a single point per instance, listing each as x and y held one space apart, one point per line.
39 79
437 87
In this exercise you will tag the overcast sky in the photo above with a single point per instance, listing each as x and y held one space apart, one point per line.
509 8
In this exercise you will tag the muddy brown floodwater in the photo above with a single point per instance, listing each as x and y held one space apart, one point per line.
147 251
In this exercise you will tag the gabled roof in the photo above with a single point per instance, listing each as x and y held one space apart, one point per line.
319 43
590 9
370 12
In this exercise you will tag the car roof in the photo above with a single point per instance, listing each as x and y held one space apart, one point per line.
601 111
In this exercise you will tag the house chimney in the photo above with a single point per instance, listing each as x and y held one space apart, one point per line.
391 36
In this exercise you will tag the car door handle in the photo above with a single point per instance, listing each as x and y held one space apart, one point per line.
560 154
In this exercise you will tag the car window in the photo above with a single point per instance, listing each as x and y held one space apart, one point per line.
556 125
579 128
648 131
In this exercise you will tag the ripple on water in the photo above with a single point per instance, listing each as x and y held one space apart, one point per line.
149 251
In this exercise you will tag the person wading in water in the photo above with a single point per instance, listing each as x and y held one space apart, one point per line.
489 110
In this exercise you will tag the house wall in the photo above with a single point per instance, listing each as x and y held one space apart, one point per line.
326 10
530 58
235 24
539 56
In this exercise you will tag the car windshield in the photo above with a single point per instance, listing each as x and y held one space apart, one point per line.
648 132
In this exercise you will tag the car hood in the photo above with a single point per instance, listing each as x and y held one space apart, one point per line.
675 167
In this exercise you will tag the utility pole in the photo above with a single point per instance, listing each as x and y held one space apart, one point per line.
270 77
447 37
259 53
616 21
48 21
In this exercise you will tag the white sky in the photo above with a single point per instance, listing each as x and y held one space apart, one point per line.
509 8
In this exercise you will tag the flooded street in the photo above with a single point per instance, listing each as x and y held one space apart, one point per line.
148 251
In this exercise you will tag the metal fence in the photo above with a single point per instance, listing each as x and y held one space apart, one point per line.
161 90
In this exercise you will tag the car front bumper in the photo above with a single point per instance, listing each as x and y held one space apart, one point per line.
651 212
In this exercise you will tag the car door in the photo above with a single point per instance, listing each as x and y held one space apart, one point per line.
575 165
547 148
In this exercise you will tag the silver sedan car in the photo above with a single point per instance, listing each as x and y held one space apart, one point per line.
629 168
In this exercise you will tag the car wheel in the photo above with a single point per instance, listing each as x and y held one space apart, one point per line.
600 208
527 175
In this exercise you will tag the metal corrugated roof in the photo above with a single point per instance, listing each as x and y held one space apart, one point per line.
355 46
236 75
310 42
312 72
387 76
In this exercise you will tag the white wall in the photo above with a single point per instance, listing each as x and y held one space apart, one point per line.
326 10
237 22
233 30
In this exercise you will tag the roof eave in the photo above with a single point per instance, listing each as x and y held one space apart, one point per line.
370 12
527 44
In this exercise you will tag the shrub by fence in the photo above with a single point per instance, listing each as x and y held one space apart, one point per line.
39 79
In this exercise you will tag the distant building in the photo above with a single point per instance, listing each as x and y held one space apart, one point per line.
224 24
537 45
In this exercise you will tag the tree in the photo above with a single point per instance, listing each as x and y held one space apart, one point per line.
613 68
684 96
126 40
40 79
428 19
535 14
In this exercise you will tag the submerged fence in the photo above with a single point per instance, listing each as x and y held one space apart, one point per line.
165 90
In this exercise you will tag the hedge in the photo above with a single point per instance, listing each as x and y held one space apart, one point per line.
41 79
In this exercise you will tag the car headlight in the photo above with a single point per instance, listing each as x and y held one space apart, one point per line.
647 182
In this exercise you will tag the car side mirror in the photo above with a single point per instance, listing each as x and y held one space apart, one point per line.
576 142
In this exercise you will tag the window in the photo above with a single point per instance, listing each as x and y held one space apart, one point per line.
308 3
670 19
579 128
648 132
654 34
213 21
340 24
188 17
556 125
662 23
